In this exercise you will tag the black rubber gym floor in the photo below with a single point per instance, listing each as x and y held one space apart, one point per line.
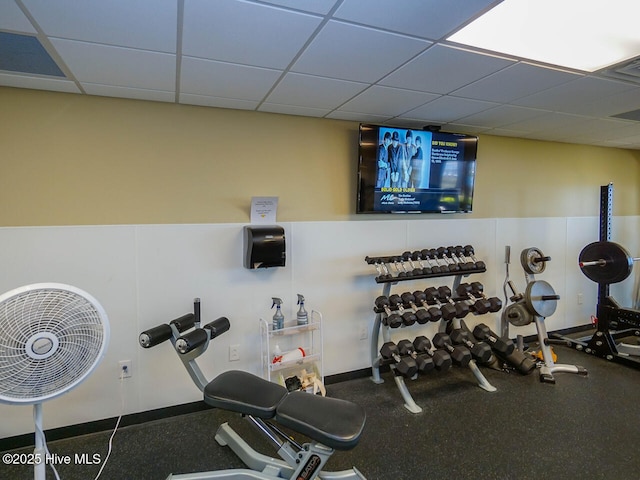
581 427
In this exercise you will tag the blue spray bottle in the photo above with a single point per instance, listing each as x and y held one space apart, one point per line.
302 316
278 318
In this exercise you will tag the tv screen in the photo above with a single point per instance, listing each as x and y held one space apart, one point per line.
404 170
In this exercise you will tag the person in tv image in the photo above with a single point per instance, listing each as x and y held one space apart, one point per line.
415 176
396 152
383 179
408 151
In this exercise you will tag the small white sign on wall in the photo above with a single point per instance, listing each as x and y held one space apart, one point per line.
264 210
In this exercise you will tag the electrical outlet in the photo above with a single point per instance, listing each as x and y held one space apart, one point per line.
234 353
124 369
579 299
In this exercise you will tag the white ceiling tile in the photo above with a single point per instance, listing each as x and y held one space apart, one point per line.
116 66
605 106
443 69
38 83
449 109
515 81
412 124
219 102
144 24
501 116
356 53
357 117
293 110
463 128
314 6
389 101
12 19
124 92
423 18
572 96
246 33
226 80
314 92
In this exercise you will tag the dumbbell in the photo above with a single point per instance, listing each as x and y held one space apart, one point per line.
392 319
443 254
480 306
422 315
520 361
421 300
483 332
449 308
441 358
414 269
405 366
442 263
459 354
401 269
432 263
381 268
451 251
469 252
465 264
408 318
417 257
477 289
479 350
424 362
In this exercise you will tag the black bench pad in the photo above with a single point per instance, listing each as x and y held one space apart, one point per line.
244 393
333 422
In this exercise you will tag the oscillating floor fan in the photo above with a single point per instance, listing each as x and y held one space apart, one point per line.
52 336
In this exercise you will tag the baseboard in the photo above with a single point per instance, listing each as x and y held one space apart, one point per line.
60 433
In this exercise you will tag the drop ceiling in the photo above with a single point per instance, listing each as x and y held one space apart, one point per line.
378 61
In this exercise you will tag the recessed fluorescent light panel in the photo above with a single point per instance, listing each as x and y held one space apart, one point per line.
584 35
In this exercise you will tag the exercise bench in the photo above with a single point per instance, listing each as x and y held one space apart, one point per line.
329 423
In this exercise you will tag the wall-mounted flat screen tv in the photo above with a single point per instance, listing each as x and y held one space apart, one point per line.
403 170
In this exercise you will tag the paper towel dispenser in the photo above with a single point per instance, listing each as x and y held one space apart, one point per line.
264 246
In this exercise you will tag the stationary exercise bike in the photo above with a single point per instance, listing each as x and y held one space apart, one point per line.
539 301
330 423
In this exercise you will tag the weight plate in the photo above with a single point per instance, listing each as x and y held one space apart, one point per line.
527 259
517 315
533 297
618 263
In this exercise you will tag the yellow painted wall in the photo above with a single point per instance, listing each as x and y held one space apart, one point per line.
78 160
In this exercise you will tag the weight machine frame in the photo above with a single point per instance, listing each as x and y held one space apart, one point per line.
379 327
614 322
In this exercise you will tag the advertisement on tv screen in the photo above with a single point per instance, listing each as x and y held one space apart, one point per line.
420 171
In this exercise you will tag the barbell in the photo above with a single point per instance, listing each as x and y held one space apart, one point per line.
606 262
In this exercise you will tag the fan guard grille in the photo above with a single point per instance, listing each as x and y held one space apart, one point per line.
51 337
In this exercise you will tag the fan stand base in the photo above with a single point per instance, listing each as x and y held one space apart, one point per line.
39 454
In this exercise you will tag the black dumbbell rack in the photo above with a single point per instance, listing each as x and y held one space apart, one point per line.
446 268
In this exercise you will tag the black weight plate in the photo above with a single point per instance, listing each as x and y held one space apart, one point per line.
618 266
